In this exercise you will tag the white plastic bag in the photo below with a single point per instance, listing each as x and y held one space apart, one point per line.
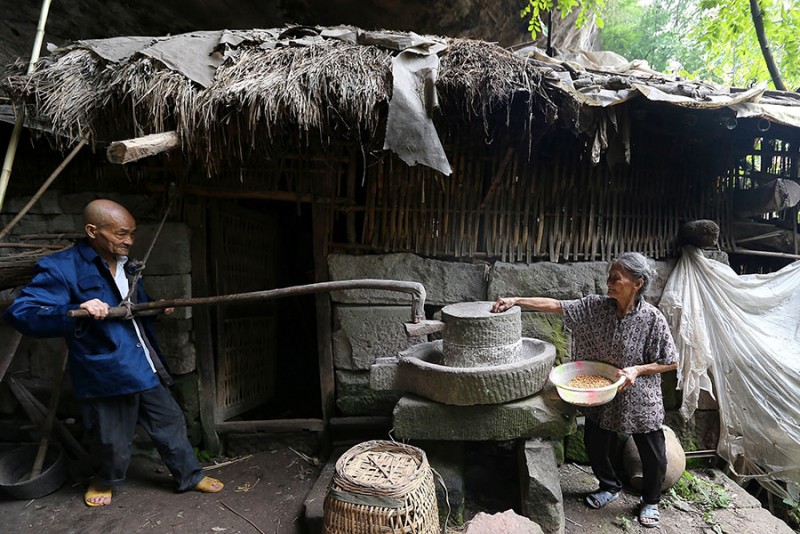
745 330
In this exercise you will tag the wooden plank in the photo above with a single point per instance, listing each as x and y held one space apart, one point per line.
424 327
361 422
472 177
498 177
273 425
527 237
540 210
350 216
380 198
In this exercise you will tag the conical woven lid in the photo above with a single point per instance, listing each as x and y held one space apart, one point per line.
381 468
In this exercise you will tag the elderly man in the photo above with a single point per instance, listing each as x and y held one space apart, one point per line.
116 366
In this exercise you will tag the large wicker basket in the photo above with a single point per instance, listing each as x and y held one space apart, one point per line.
382 487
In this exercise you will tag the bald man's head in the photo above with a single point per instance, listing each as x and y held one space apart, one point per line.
102 211
110 228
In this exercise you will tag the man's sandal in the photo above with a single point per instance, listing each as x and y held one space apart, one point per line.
598 499
209 485
649 516
94 491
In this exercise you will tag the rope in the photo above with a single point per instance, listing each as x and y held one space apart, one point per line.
136 267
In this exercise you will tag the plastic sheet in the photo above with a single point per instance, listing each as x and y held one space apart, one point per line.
744 332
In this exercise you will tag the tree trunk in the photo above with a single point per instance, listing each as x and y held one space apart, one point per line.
758 22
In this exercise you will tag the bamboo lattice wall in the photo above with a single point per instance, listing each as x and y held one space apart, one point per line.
504 207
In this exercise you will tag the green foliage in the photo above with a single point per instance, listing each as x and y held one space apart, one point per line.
624 523
725 32
534 10
705 39
793 504
652 31
202 455
702 493
550 328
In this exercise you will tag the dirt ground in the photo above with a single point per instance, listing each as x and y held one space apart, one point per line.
267 480
264 492
744 515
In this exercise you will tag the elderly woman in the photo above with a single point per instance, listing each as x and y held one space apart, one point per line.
627 332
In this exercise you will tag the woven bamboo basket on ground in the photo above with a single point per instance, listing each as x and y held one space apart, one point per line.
382 487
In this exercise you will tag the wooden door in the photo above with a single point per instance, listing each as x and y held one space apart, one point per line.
244 252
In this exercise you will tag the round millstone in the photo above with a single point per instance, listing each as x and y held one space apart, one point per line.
476 337
419 371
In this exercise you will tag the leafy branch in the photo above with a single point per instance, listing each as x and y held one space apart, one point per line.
535 10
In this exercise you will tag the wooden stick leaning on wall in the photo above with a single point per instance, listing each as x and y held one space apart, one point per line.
36 412
8 354
42 189
11 150
44 443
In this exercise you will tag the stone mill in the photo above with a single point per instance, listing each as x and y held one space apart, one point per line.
483 381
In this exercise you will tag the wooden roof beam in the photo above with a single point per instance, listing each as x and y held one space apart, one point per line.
141 147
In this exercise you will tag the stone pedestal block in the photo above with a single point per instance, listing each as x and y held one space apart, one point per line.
354 396
542 500
536 416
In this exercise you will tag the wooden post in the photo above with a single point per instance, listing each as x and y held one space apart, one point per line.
321 220
141 147
201 324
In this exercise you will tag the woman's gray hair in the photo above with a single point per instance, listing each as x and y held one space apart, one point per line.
638 266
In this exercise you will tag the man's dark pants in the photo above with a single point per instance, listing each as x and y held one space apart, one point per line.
111 423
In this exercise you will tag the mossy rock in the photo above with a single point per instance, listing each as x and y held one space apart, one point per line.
550 328
574 451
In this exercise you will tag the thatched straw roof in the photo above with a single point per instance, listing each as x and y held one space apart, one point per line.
261 87
234 94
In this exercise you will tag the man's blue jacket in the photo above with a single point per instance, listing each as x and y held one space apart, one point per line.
105 357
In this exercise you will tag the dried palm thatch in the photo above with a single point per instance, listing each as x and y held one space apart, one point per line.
289 93
262 94
16 268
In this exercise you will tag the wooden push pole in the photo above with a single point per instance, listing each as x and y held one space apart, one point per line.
154 307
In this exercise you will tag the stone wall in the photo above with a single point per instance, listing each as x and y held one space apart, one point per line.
368 324
167 275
